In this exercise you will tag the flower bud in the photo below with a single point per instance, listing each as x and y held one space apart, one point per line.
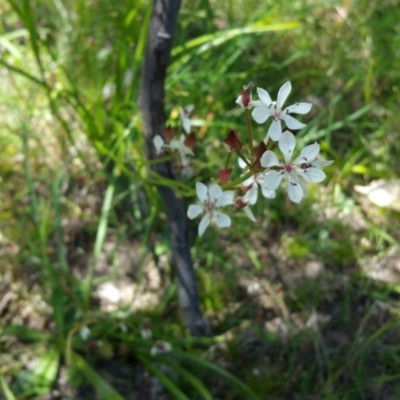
190 140
232 141
245 97
223 175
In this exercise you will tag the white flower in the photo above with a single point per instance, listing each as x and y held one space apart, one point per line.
268 108
175 145
145 331
253 183
185 114
160 347
180 147
212 198
304 167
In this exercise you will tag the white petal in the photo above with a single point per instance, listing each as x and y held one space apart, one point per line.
215 192
287 143
268 194
202 191
249 181
272 180
205 221
194 211
321 163
275 130
174 144
295 191
308 154
283 94
312 174
255 103
241 163
252 195
222 220
303 186
299 108
225 199
264 96
158 142
239 101
249 214
260 114
188 109
186 124
292 123
269 159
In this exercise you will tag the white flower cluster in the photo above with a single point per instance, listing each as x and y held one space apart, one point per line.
263 168
178 145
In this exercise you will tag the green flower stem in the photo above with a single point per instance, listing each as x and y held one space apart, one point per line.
228 158
236 182
246 161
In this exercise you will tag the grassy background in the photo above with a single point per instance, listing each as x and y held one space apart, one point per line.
303 304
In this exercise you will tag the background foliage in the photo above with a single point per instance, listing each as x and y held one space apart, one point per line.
303 304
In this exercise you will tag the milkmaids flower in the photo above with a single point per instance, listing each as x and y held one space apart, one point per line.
253 183
180 146
269 108
160 347
175 145
145 330
304 168
211 198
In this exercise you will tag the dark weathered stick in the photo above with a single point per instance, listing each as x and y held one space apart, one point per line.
157 57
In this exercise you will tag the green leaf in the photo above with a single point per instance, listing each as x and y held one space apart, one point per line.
41 377
6 389
24 333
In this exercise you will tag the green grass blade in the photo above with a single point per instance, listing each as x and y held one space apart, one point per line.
101 233
210 40
6 389
168 384
104 390
201 362
24 333
192 379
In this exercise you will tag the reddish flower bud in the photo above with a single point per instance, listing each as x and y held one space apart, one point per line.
258 152
224 175
190 140
245 97
239 203
168 133
232 141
